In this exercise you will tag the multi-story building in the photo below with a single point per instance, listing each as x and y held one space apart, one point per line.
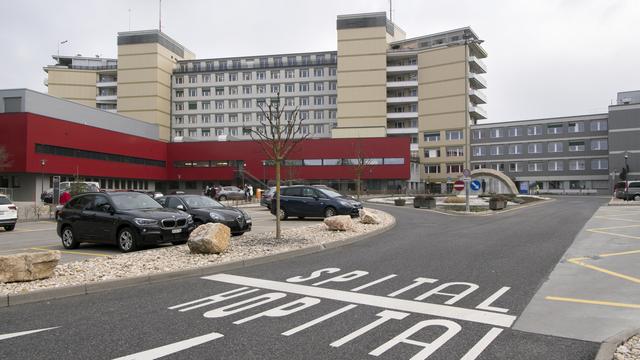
624 134
215 98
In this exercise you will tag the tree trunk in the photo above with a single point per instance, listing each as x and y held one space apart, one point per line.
278 199
358 187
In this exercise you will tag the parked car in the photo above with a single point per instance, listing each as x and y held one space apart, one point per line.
127 219
204 210
80 187
265 200
8 213
229 193
310 201
630 192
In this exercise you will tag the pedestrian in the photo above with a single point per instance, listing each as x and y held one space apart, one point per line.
246 192
213 192
65 197
250 192
207 191
537 189
484 186
399 188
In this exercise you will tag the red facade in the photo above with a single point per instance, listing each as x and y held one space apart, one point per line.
20 132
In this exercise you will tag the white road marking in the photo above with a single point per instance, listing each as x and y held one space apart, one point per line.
21 333
318 320
417 282
213 299
447 311
428 347
161 351
374 282
385 316
486 305
479 347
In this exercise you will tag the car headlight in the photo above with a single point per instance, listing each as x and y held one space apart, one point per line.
190 219
244 213
145 222
214 216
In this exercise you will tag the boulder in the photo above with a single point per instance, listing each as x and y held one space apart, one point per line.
210 238
339 222
368 217
28 266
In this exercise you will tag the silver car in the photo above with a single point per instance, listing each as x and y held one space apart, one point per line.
229 193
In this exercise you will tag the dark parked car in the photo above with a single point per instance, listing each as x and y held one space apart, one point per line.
204 209
265 200
127 219
310 201
630 192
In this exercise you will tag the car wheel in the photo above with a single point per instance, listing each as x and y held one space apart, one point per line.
9 227
283 214
636 198
222 198
197 223
237 234
68 239
329 212
126 240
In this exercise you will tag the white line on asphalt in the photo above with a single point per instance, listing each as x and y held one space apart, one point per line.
318 320
447 311
161 351
12 335
479 347
374 282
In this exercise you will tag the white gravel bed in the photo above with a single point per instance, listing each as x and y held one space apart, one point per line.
630 350
173 258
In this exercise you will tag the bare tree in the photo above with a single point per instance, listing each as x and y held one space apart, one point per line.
278 133
362 163
4 158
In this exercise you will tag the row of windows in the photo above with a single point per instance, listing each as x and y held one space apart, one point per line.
534 130
94 155
450 135
249 103
263 62
456 151
258 75
248 117
551 165
235 131
449 168
339 162
250 89
537 148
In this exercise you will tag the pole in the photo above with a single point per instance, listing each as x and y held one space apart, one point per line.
466 193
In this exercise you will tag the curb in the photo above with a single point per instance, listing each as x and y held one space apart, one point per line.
609 346
96 287
483 214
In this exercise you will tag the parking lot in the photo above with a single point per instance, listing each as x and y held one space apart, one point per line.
41 235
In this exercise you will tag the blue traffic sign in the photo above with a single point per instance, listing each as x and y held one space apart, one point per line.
475 185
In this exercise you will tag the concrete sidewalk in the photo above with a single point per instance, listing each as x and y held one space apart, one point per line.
594 292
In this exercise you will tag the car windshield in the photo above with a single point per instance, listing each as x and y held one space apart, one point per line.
4 200
198 202
134 201
330 193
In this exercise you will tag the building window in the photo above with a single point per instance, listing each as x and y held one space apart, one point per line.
193 132
304 73
332 100
222 65
332 114
289 88
206 105
318 72
555 165
318 129
318 100
178 132
205 132
496 150
261 89
219 118
233 118
246 103
318 86
193 92
453 135
233 76
206 118
304 101
479 151
515 149
219 77
233 90
219 91
289 101
179 106
498 166
516 167
275 74
220 131
246 76
477 134
514 131
233 131
179 80
206 91
289 74
264 62
432 169
233 104
318 114
454 168
554 147
332 71
599 125
235 64
261 75
575 127
599 164
206 78
179 93
333 85
576 145
576 165
193 79
599 144
179 120
535 148
246 90
536 166
554 129
193 106
275 88
534 130
431 153
455 151
246 117
304 115
291 60
219 104
496 133
431 137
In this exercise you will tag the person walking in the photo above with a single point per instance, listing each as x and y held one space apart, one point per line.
246 192
212 192
250 192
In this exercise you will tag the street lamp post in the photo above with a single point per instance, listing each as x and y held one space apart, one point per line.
179 176
61 43
43 162
626 178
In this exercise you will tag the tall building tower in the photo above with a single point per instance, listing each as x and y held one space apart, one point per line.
146 60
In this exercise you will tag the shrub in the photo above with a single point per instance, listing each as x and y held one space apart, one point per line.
455 200
423 198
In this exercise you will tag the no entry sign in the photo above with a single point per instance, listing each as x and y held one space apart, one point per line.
458 185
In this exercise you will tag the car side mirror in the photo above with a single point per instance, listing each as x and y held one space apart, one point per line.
107 208
180 207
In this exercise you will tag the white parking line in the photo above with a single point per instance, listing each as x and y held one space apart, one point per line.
162 351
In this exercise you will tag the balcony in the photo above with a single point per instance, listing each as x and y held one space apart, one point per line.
477 82
477 112
402 84
402 131
106 98
105 84
477 66
402 115
477 97
402 99
413 147
402 68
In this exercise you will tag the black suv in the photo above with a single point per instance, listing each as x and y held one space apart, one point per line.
128 219
314 201
204 209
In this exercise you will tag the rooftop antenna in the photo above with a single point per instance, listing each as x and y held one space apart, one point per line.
160 17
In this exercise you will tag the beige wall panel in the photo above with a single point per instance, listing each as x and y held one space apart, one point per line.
373 109
365 62
442 105
365 46
73 92
73 77
141 89
441 89
164 133
360 78
362 33
441 56
139 75
366 122
442 121
137 49
138 103
442 72
339 133
137 61
367 93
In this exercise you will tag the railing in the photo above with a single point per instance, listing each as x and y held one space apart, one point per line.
258 66
101 67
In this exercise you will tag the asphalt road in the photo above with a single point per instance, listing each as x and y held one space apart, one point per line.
459 284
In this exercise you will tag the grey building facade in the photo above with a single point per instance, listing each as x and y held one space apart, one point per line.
624 134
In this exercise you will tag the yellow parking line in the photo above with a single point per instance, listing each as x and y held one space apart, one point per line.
614 234
593 302
577 261
615 227
620 253
610 218
72 252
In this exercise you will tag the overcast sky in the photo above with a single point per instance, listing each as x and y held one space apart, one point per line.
546 58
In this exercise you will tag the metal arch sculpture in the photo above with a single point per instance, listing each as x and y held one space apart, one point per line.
497 175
